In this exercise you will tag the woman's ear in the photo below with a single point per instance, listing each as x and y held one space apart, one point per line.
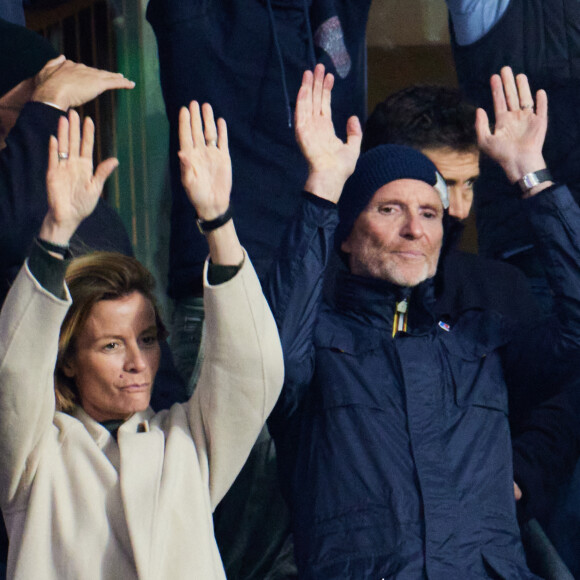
68 368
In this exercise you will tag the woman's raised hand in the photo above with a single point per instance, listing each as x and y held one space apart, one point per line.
206 168
73 189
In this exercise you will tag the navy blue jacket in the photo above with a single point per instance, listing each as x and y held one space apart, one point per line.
395 454
546 451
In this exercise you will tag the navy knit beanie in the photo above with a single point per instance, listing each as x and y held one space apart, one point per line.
23 53
376 168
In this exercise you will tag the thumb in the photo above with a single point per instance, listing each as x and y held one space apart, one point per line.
185 162
103 171
482 127
353 132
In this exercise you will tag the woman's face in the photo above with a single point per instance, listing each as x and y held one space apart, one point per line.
116 358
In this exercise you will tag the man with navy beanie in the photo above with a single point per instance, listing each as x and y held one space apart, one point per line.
391 431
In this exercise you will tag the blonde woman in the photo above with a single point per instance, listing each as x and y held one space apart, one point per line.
93 483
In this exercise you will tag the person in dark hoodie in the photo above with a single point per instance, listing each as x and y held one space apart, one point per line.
392 431
247 57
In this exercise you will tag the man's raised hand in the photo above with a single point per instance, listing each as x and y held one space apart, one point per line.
518 137
330 160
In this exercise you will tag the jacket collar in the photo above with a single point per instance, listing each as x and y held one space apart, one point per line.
375 300
135 424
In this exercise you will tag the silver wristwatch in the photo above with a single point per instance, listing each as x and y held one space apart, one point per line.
530 180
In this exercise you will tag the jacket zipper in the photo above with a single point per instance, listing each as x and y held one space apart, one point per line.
400 317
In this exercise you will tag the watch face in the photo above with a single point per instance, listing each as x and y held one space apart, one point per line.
530 180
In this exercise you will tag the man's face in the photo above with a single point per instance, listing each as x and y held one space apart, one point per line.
398 236
460 169
11 104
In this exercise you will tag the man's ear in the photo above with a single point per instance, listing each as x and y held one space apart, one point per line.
345 246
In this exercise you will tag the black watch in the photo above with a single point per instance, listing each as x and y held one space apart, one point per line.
208 226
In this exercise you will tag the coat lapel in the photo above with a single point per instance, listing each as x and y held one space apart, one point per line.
140 477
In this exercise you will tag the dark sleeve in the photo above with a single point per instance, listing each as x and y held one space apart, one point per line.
23 204
555 220
542 355
294 292
48 270
218 274
546 452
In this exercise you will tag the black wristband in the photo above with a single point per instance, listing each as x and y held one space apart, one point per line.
47 246
208 226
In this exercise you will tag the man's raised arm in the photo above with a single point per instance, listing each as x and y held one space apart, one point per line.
294 288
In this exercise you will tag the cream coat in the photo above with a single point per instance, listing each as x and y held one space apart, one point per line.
80 506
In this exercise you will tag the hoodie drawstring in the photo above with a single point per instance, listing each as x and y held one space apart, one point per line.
310 37
281 58
281 61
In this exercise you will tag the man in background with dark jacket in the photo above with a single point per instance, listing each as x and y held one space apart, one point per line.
438 121
539 38
392 429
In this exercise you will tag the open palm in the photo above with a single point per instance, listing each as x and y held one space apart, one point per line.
73 189
325 153
206 169
518 137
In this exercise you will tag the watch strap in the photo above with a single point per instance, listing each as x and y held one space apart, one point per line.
210 225
62 250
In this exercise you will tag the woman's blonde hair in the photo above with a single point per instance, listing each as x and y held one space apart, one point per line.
91 278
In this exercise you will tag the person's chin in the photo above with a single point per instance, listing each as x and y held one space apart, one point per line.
410 276
137 399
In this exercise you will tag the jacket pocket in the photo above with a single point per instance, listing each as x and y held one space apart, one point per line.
505 568
355 370
472 361
365 544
